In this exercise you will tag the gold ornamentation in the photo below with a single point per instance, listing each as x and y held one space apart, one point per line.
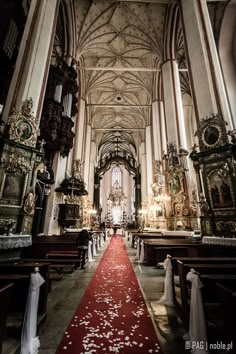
212 132
23 125
15 163
29 204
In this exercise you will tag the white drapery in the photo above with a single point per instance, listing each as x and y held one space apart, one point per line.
102 238
90 257
29 342
98 243
141 257
94 247
197 324
168 296
137 251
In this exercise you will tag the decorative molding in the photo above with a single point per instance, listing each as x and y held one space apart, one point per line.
212 132
15 241
23 125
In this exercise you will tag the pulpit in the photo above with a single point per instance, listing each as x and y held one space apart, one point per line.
68 214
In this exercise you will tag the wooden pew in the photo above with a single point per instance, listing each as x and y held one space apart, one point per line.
52 261
42 245
151 248
5 294
227 296
198 260
209 269
154 235
15 269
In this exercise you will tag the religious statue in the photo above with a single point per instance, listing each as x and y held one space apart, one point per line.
173 159
226 194
204 206
77 171
157 169
29 204
174 184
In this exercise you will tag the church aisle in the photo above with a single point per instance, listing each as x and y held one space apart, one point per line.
66 294
112 315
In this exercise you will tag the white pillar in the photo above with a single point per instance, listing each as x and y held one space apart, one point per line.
159 129
32 65
207 81
163 128
87 155
173 104
142 159
79 130
91 171
149 159
156 131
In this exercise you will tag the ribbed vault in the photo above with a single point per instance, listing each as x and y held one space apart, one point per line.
119 51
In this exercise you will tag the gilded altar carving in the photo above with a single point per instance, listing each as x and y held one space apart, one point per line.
23 125
29 204
217 175
212 132
7 226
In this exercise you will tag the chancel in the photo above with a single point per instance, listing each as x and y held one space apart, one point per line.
118 117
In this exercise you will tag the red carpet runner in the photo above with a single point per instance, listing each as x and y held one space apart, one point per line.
112 316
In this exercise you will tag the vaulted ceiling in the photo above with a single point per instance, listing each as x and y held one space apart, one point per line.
120 46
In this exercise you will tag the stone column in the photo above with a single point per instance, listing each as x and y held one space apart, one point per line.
91 171
149 159
137 180
156 131
142 159
87 155
173 104
32 65
79 131
208 87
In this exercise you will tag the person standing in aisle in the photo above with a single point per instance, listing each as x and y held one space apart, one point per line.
82 243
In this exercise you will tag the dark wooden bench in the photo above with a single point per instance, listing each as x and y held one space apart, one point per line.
55 260
5 295
198 260
227 296
154 248
155 235
42 245
14 269
202 269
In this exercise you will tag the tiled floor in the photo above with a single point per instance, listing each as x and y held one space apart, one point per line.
66 294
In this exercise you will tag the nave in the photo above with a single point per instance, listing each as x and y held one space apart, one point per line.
68 292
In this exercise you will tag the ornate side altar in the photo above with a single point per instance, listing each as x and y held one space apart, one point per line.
182 211
214 162
20 161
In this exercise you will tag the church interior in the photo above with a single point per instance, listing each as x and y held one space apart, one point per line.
118 117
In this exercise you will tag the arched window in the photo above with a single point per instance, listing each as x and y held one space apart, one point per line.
116 175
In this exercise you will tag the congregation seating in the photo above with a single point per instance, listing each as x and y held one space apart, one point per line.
155 250
52 261
226 290
215 265
213 268
157 235
5 294
19 275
